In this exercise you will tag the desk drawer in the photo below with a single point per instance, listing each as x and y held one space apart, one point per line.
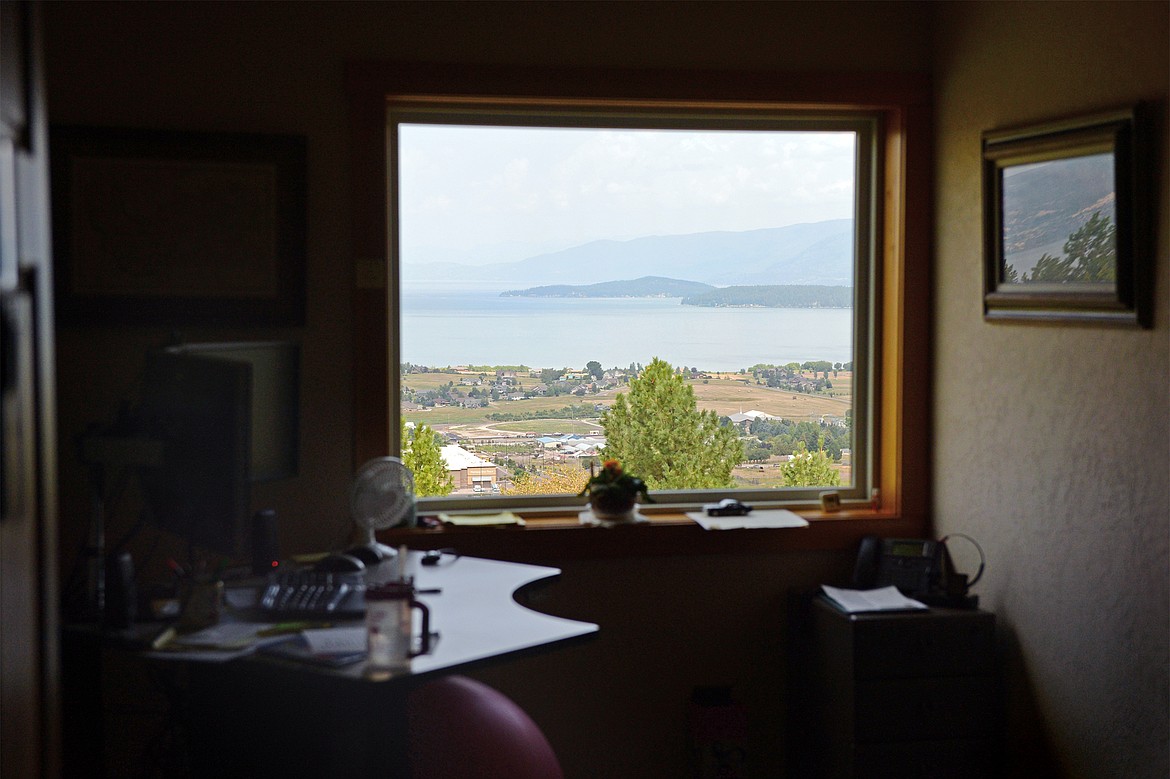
924 709
956 646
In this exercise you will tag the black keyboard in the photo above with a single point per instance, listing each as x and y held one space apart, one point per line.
308 593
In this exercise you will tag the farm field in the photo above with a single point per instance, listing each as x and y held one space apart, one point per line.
725 393
550 426
727 396
767 475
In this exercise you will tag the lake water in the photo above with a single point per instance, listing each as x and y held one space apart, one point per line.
460 326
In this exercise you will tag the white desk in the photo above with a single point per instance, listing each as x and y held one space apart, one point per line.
267 716
475 613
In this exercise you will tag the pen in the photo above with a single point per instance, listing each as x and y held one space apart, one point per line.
285 628
162 639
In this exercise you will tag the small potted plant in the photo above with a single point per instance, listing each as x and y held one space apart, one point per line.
613 494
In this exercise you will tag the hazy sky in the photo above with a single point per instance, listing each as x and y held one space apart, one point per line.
490 194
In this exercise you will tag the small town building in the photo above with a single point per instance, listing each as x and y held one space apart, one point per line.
468 470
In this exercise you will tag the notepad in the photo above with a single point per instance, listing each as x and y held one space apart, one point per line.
482 520
336 641
324 650
881 599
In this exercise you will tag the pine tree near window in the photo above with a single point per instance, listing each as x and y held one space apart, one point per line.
1090 255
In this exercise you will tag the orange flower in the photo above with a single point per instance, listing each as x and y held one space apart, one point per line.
612 485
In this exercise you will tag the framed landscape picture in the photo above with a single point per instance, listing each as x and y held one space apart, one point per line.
178 228
1063 233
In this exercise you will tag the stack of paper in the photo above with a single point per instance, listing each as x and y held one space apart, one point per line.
762 518
218 643
326 646
881 599
224 635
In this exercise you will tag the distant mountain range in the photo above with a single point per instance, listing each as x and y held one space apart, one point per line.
645 287
818 253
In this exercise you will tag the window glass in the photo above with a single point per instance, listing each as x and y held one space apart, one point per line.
689 294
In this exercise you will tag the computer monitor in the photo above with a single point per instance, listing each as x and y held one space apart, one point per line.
275 400
227 415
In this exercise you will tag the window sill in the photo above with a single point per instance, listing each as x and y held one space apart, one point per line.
549 538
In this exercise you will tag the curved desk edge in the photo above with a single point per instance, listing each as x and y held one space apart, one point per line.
476 615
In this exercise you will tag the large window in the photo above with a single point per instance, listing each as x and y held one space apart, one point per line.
552 263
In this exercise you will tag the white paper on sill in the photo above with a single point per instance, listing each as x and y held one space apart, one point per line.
336 641
881 599
759 518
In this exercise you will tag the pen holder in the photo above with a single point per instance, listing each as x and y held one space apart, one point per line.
389 626
201 605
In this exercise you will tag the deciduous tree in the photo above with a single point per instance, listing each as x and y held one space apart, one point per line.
658 434
549 479
810 469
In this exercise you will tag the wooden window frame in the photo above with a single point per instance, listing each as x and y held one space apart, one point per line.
902 322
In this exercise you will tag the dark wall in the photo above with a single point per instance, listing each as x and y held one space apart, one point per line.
278 67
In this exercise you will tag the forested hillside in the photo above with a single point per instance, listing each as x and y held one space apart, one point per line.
776 296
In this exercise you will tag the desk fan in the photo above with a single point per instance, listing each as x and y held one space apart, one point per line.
382 496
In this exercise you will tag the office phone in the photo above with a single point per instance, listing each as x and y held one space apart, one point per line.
307 593
920 568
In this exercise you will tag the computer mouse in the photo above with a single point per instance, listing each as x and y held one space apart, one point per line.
339 563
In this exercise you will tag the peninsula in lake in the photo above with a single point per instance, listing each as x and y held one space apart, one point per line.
775 296
694 293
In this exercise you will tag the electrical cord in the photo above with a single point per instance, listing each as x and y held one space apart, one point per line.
979 549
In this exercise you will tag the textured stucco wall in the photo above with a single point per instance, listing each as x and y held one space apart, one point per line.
1052 442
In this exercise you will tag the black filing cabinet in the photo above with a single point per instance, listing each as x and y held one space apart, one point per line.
912 695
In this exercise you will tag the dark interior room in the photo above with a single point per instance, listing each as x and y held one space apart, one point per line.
1033 437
